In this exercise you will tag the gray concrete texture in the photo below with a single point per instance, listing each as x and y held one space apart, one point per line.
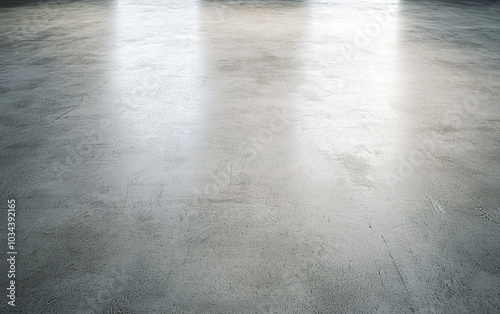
251 156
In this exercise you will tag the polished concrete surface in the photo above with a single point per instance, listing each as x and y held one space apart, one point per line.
252 156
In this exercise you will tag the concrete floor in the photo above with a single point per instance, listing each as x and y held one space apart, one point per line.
252 156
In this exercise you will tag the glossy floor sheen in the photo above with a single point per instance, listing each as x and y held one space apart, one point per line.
252 156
